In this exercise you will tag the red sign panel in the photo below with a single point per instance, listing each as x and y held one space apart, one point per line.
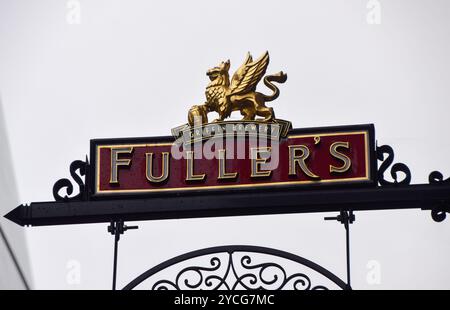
305 158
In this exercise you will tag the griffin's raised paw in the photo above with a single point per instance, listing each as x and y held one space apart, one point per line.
198 114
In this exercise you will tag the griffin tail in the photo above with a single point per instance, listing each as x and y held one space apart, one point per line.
279 77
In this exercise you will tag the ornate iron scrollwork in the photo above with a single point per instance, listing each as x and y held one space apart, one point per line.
395 169
82 167
235 268
436 177
193 277
438 212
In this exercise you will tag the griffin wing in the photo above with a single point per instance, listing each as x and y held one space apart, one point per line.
249 74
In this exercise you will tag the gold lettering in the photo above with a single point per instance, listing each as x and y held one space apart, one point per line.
336 154
222 169
295 159
164 167
190 176
259 156
116 162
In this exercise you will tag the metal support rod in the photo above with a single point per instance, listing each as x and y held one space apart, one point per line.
117 228
116 245
420 196
345 218
347 241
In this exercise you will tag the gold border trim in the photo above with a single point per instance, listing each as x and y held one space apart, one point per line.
153 190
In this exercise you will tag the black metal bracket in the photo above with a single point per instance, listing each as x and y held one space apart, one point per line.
83 168
117 228
346 218
395 169
441 207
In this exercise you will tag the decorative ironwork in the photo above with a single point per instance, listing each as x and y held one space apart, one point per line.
439 210
235 268
436 177
395 169
82 167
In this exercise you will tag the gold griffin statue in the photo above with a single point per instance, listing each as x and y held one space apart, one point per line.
225 97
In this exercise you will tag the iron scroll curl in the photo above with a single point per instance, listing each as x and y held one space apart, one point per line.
82 168
395 169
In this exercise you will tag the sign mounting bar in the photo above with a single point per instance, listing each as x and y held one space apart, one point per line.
423 196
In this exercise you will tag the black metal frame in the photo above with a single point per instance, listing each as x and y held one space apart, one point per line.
435 197
370 128
83 207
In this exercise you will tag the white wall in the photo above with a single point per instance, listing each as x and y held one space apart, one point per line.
12 240
62 84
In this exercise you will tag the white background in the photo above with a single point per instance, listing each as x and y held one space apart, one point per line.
133 68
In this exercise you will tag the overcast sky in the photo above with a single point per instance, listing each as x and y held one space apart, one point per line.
133 68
